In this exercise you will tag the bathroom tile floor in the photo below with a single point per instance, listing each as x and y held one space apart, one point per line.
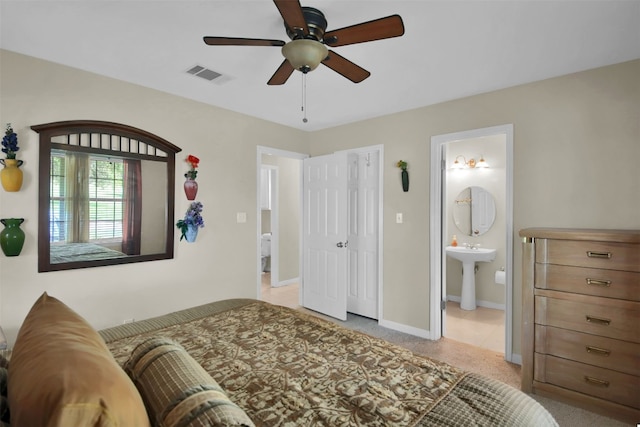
483 327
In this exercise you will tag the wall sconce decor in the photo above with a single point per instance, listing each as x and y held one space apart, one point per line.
12 237
404 174
191 185
191 222
10 175
469 164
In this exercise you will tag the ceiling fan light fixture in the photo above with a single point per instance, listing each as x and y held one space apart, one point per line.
305 55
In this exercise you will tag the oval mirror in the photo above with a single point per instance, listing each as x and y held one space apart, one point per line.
106 195
474 211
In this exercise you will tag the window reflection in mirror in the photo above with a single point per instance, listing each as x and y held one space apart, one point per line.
474 211
106 195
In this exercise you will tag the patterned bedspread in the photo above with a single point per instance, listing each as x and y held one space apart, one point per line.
287 368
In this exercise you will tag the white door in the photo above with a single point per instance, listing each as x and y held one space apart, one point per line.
325 235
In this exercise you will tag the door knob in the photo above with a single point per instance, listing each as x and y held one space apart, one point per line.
342 245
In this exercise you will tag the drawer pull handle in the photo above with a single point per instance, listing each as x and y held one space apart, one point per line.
596 381
595 282
597 350
592 254
598 320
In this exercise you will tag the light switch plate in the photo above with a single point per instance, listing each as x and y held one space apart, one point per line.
241 217
399 218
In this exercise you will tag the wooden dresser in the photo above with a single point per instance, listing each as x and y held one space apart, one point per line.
581 318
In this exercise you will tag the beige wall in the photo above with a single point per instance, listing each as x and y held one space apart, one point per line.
576 144
289 218
576 147
221 264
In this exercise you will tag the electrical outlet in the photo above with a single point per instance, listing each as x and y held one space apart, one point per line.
399 218
125 321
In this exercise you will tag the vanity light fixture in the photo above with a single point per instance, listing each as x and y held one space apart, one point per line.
457 164
482 163
469 164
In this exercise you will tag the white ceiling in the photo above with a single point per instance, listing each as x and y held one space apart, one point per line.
450 49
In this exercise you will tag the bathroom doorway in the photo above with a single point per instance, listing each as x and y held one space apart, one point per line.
456 175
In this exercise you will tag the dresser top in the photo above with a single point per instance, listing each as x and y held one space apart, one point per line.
592 234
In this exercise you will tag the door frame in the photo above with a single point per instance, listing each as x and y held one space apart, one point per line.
260 150
437 242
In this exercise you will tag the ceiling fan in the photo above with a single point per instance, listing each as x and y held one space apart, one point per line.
306 27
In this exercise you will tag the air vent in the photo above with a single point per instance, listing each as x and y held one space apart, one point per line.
204 73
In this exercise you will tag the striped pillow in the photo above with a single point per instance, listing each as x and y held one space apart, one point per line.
177 391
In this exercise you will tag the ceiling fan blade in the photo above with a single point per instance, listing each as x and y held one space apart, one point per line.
282 74
378 29
238 41
291 12
343 66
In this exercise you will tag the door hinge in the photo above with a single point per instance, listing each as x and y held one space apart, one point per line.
443 164
443 305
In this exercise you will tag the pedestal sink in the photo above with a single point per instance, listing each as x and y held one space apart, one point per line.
469 257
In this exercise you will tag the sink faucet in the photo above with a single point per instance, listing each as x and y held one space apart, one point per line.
472 245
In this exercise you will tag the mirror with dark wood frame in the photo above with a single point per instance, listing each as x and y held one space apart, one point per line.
106 195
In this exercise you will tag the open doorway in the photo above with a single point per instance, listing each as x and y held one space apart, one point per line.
450 201
361 244
279 224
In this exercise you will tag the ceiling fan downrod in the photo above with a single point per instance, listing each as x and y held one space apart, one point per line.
304 98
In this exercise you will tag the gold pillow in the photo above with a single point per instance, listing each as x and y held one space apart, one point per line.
62 374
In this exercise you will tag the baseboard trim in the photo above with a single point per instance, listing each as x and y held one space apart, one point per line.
479 303
287 282
422 333
516 358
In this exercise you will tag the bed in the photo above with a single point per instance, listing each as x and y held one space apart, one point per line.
284 368
239 362
73 252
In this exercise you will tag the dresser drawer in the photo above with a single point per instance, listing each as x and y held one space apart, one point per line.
588 379
598 316
622 356
608 255
589 281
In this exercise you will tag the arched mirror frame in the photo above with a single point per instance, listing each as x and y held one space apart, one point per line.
159 146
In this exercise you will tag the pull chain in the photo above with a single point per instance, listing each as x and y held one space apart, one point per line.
304 98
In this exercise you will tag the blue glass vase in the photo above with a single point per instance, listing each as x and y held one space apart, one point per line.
191 233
